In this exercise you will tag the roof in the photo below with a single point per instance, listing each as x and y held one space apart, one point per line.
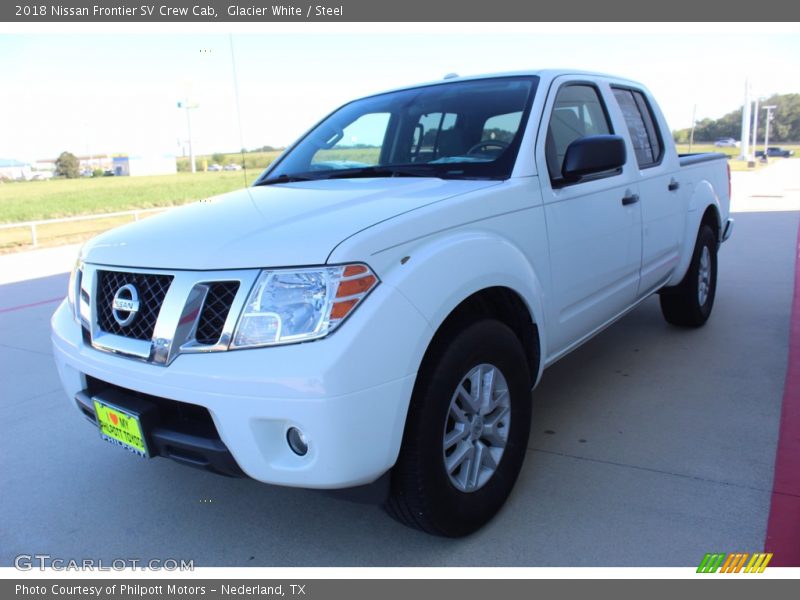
544 74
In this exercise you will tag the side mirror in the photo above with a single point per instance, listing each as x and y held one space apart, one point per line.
593 154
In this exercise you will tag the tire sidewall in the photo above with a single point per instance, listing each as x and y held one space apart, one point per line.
483 342
705 238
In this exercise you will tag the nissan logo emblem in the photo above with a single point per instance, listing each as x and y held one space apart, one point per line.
125 305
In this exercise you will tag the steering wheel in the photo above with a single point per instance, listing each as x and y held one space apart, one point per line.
481 146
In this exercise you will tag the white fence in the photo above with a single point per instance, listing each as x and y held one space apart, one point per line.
32 225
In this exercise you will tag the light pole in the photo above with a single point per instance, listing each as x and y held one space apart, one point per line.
691 134
769 110
745 136
189 106
755 125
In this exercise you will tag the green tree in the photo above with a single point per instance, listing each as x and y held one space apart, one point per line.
784 127
219 158
681 136
68 165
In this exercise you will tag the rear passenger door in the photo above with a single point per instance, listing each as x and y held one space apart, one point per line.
593 225
661 199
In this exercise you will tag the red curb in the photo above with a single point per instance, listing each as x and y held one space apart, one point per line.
31 305
783 527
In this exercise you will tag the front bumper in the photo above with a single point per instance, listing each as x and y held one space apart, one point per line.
182 432
347 393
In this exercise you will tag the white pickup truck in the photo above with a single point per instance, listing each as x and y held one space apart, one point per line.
379 304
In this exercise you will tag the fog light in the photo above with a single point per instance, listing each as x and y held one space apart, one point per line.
297 441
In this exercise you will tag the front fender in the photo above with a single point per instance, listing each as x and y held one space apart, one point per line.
442 272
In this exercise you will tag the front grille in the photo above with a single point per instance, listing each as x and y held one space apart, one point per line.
215 311
151 289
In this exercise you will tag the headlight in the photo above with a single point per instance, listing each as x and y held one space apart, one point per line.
74 288
297 305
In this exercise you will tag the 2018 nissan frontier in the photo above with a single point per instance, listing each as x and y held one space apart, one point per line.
380 303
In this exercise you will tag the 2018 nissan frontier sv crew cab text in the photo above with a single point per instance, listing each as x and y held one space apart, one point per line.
380 303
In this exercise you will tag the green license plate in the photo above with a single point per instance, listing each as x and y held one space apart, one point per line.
120 427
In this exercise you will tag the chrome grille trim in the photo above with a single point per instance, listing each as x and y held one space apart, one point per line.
178 317
214 311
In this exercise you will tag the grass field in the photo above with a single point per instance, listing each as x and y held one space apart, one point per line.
255 161
258 161
39 200
35 200
56 234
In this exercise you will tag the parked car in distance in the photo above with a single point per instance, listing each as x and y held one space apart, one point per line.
378 306
214 167
726 143
232 167
775 151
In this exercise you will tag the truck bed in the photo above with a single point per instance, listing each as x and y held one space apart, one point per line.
700 157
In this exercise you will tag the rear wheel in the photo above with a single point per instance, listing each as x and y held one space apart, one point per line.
466 433
689 303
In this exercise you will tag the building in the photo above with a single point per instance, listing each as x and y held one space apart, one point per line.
144 165
103 162
14 169
86 164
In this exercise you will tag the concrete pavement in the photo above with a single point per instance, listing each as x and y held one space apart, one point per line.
650 445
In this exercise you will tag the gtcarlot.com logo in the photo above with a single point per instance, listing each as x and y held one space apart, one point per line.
735 562
27 562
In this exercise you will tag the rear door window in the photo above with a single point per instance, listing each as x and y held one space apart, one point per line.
641 126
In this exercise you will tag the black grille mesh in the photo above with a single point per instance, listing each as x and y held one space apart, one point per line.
215 311
151 289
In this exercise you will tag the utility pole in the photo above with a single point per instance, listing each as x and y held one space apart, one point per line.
745 137
769 110
189 106
691 134
755 125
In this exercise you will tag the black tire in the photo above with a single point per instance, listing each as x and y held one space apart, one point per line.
681 304
422 494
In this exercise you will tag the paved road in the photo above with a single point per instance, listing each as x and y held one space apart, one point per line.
650 446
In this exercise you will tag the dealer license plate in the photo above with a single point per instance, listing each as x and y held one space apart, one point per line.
121 428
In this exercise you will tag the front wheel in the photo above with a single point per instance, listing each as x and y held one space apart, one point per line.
466 433
689 303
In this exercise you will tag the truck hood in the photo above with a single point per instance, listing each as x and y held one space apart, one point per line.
268 226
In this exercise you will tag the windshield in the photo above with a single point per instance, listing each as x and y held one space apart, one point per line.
465 129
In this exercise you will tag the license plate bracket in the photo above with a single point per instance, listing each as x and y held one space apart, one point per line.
121 427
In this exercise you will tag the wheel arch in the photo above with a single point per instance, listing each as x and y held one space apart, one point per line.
502 304
704 209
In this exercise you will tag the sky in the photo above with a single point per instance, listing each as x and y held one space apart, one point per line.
97 93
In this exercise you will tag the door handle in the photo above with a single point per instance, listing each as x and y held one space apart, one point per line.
630 199
673 185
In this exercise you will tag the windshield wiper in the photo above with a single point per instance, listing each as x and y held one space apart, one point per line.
379 171
284 178
354 173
